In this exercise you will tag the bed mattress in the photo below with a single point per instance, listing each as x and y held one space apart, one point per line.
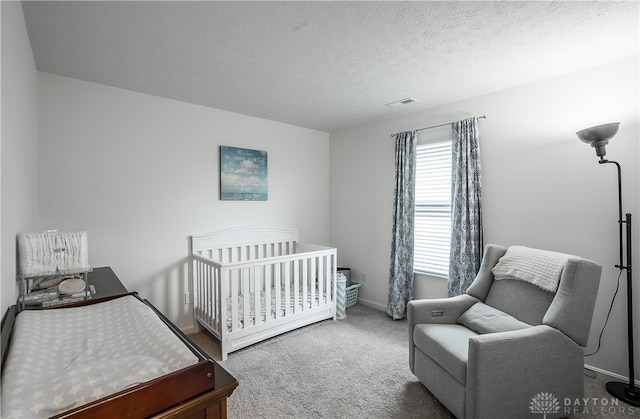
63 358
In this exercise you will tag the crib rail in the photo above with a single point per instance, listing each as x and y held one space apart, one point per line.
253 285
244 243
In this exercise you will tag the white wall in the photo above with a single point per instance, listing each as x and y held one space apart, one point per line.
140 174
542 187
19 142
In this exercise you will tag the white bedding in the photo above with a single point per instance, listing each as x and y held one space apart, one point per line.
63 358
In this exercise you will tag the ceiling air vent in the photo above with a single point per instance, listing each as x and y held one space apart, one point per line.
401 102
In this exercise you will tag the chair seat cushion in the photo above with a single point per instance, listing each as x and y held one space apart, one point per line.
446 344
482 318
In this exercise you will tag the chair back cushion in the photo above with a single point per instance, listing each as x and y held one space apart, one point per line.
526 302
569 309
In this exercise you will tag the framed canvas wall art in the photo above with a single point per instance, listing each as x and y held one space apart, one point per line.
243 174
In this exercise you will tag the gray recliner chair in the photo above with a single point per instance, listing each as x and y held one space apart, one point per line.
512 346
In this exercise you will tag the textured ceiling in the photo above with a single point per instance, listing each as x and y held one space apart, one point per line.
325 65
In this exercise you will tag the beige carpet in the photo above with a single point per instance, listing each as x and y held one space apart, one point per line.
352 368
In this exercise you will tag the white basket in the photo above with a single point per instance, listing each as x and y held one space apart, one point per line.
352 294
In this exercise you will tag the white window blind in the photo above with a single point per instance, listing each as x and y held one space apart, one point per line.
432 232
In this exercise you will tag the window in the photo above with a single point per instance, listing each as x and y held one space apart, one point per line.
432 232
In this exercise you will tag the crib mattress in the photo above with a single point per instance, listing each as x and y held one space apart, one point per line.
63 358
272 305
318 299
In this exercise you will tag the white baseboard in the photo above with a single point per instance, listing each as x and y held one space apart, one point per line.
189 330
608 375
372 304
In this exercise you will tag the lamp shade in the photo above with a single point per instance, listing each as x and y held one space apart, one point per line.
598 137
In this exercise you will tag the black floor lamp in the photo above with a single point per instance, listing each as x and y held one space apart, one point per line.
598 137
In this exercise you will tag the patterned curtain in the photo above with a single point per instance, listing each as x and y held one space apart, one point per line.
401 271
466 211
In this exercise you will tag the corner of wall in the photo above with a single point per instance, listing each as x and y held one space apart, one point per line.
19 137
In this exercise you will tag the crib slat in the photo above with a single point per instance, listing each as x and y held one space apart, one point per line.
233 278
206 285
305 284
223 283
197 288
219 302
208 289
314 279
256 294
327 275
203 285
245 277
267 292
296 286
287 287
321 276
203 308
269 250
214 294
277 291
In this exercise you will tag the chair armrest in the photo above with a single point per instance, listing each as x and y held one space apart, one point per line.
437 310
507 370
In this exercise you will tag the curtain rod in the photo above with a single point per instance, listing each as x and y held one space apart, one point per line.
440 125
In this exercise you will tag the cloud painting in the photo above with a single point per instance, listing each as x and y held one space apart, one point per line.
243 174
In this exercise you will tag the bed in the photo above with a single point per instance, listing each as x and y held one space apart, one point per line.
88 360
254 283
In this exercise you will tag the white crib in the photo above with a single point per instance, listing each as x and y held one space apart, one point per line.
251 284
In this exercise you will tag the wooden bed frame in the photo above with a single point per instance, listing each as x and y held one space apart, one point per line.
253 262
198 391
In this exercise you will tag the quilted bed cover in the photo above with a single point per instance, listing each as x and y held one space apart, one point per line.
64 358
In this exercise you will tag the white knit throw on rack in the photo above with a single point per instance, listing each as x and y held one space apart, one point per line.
539 267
